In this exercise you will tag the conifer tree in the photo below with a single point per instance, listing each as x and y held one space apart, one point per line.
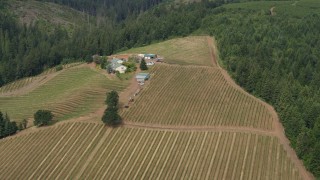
143 65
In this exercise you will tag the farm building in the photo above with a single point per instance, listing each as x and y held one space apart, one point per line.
116 60
150 56
116 65
141 77
119 67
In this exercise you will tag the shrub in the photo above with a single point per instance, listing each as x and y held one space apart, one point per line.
59 67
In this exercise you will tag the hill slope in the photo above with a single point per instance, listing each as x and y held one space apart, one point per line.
196 96
193 50
69 93
84 148
47 14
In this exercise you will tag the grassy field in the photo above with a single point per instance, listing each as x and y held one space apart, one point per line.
11 88
184 51
91 151
195 96
73 92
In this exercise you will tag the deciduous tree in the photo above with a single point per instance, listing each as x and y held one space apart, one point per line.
42 118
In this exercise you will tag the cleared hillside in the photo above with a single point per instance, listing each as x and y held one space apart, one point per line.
92 151
184 51
47 14
70 93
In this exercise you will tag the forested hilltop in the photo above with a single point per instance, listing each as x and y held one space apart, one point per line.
271 48
28 50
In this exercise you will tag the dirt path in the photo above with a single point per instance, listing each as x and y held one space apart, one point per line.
130 90
278 128
198 128
272 11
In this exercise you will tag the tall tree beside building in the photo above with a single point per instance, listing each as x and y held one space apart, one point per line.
143 65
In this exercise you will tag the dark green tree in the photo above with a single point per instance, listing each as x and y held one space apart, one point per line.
305 142
112 100
7 127
111 116
42 118
315 160
143 65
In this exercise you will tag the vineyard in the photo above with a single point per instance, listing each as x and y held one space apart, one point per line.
195 96
193 50
73 92
31 82
91 151
187 122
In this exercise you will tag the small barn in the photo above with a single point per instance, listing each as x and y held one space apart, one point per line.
116 65
141 77
116 61
150 56
119 67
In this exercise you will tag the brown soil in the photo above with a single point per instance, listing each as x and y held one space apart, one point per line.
129 91
197 128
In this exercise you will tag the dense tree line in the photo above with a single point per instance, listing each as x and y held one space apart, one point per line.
7 127
27 51
278 59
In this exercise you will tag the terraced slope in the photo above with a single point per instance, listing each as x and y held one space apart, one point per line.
184 51
25 85
91 151
73 92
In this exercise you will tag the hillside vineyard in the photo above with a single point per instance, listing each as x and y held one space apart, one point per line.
196 96
91 151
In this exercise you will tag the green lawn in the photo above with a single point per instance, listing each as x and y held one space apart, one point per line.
193 50
71 93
